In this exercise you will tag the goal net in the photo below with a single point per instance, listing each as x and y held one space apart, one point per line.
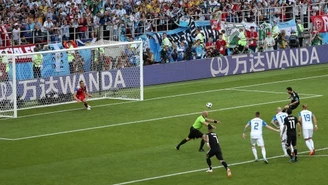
50 75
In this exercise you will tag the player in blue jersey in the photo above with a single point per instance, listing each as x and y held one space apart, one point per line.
256 125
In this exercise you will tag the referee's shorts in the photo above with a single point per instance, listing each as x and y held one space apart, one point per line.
195 133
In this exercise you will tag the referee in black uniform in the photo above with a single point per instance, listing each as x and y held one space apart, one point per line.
295 99
290 124
215 150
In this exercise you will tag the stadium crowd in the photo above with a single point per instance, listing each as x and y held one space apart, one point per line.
51 21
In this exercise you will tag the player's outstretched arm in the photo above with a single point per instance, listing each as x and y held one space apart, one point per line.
206 124
245 128
212 121
271 128
315 122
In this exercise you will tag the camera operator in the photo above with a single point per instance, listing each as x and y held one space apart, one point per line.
282 40
148 57
293 40
235 51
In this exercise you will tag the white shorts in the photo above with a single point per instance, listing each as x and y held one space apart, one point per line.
257 141
307 133
284 137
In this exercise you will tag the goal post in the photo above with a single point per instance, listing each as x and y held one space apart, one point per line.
49 78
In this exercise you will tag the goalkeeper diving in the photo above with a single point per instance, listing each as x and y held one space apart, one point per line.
80 93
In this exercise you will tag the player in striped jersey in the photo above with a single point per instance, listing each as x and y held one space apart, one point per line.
280 116
307 118
256 125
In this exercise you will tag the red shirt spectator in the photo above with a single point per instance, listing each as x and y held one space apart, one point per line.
209 44
252 37
221 45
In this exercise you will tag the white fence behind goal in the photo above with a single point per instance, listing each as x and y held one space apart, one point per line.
112 71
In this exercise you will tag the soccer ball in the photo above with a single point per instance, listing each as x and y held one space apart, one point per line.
209 105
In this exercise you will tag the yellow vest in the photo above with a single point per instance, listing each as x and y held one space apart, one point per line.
275 32
301 29
201 37
242 41
37 60
5 61
70 55
100 51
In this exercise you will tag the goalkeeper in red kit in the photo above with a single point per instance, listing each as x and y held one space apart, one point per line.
80 93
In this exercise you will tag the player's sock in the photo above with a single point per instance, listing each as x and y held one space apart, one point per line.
202 142
86 105
209 163
254 152
289 153
283 146
295 154
312 144
225 165
181 143
308 144
263 153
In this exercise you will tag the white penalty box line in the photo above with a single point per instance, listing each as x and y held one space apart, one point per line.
203 169
147 120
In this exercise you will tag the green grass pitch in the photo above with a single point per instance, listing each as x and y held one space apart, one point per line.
125 142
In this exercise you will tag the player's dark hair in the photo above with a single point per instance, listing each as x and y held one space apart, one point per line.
289 88
289 111
210 127
81 81
257 114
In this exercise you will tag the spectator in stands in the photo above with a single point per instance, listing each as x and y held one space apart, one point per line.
65 30
221 46
210 46
199 49
252 38
39 37
269 42
48 25
16 34
123 61
293 40
315 37
181 50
